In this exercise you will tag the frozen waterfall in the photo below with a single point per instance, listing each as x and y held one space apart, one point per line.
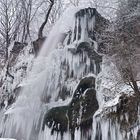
69 54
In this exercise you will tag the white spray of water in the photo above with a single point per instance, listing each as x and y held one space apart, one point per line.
58 33
24 119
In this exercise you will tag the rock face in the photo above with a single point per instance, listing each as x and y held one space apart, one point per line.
13 73
67 67
88 24
61 79
127 112
79 112
77 57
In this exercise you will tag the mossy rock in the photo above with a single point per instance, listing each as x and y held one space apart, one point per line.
127 111
57 119
82 109
78 113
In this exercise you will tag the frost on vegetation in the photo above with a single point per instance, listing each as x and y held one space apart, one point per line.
47 82
54 75
19 65
109 81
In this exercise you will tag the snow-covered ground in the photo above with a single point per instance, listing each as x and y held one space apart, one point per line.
6 139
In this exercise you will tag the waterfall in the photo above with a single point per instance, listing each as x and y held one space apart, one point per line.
69 53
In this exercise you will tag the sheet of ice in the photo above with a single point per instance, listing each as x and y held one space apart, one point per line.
6 139
55 67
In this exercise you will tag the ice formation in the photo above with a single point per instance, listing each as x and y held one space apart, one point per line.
57 70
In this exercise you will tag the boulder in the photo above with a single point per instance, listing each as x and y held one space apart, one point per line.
78 113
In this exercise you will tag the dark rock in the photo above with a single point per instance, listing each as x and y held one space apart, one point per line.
85 83
83 46
37 44
64 93
11 100
89 48
2 105
128 105
1 82
88 13
82 108
18 46
57 119
79 113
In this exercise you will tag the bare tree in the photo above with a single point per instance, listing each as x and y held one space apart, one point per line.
26 18
125 46
40 32
9 22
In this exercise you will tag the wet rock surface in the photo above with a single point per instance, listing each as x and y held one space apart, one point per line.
91 51
127 112
78 113
37 44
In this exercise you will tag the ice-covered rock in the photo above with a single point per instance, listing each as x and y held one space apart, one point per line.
66 94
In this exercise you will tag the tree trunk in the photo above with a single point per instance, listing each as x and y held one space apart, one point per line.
7 45
40 33
135 86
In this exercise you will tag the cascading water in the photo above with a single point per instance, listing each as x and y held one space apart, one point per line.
68 55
